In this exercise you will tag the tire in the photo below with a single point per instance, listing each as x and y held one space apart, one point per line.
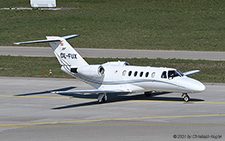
148 94
186 98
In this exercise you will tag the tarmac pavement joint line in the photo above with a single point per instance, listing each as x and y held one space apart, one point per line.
43 124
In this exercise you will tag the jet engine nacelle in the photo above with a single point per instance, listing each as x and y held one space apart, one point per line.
91 70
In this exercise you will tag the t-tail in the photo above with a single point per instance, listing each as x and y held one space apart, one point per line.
65 53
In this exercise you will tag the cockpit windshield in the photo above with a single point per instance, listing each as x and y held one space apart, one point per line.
180 72
174 73
171 74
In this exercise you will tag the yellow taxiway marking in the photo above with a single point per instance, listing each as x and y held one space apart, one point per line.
51 124
200 102
111 125
51 97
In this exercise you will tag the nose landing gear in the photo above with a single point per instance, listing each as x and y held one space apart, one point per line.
148 94
186 97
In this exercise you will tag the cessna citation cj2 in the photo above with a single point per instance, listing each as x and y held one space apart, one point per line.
119 77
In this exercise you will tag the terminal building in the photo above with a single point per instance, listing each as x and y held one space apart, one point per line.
43 3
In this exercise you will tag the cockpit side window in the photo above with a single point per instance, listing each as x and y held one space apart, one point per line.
164 75
172 74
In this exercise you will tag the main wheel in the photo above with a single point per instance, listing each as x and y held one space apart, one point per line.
148 94
102 98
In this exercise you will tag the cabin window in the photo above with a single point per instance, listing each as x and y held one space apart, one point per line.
146 74
164 75
130 72
141 74
135 73
153 75
124 72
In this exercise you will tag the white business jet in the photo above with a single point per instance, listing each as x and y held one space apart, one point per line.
119 77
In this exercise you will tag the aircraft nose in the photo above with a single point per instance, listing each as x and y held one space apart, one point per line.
197 86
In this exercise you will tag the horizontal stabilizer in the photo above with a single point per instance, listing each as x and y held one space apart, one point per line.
48 40
191 72
37 41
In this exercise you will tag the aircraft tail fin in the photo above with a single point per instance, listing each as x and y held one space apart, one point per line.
65 53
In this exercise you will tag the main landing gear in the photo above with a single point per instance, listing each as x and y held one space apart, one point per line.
102 98
148 94
186 97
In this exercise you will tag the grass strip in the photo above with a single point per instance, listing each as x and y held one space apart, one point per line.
212 71
134 24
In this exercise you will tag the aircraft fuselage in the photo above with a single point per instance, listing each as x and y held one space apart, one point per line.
137 78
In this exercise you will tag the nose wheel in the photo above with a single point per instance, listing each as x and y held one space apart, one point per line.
186 97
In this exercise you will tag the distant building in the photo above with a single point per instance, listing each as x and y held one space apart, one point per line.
43 3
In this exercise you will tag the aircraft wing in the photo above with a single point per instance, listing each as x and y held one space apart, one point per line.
191 72
96 91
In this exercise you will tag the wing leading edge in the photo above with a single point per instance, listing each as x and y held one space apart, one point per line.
88 92
191 72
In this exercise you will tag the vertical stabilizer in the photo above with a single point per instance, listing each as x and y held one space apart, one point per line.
65 53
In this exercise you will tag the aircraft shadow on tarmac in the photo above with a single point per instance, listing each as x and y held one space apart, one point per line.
46 92
112 98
